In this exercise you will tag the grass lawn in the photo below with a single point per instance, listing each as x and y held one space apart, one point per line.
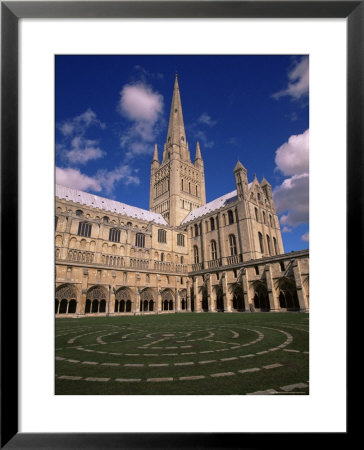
183 354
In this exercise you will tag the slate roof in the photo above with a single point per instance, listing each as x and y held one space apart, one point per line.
105 204
211 206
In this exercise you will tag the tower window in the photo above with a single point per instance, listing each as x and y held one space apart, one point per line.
79 212
275 246
84 229
196 229
162 236
140 240
195 254
260 242
114 235
213 250
268 245
230 217
212 224
232 242
162 257
180 240
256 214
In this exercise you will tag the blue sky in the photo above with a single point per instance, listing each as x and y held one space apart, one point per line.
111 110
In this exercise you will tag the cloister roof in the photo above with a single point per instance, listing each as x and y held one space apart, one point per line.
105 204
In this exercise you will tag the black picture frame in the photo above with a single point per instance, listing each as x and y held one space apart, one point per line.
11 12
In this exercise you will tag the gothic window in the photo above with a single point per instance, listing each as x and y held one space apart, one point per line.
162 257
79 212
105 219
256 214
268 245
182 184
180 240
196 191
162 236
140 240
114 235
258 196
196 229
275 246
213 250
263 217
212 224
84 229
232 242
230 217
260 242
195 254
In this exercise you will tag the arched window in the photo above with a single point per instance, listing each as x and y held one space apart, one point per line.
263 217
232 242
260 242
162 236
270 220
268 245
79 212
56 222
114 235
196 191
140 240
230 217
195 254
213 250
256 214
182 184
181 259
162 257
84 229
212 223
180 240
105 219
196 229
275 246
258 196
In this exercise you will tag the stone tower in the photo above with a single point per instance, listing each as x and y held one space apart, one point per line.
177 185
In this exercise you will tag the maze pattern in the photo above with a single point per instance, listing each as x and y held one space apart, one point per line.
127 355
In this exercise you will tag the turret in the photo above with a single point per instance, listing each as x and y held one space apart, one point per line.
155 160
198 159
241 180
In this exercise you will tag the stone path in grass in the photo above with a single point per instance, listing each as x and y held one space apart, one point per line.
116 353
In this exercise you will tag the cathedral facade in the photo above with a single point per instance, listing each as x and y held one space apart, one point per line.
183 255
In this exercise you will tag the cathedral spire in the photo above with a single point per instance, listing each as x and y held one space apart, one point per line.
155 156
176 130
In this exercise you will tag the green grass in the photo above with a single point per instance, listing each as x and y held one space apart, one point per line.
128 347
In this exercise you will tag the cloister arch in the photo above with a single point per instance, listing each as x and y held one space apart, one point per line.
147 300
183 299
66 299
96 300
219 299
167 300
261 299
238 298
123 300
288 298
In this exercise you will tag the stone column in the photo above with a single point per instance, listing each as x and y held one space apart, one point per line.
210 297
177 305
198 296
188 297
245 279
300 294
137 301
81 304
225 292
272 293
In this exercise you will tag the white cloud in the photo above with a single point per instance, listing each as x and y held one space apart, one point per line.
82 150
144 107
293 156
201 136
79 124
291 200
298 81
73 178
206 120
74 147
104 180
306 237
292 196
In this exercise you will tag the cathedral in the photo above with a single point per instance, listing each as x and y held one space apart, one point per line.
183 255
